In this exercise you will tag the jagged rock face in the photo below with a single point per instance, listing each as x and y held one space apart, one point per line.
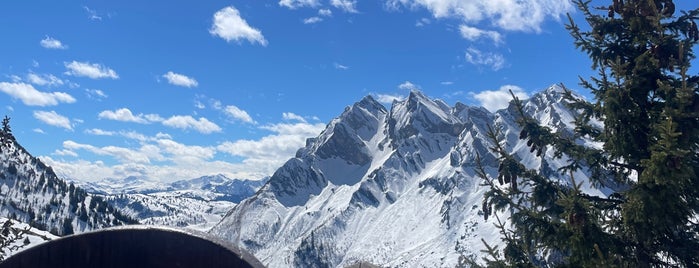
394 188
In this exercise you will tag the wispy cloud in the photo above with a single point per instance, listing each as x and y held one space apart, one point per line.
422 22
92 14
293 116
44 79
473 33
494 100
349 6
387 98
99 132
54 119
95 94
325 12
33 97
124 155
52 43
407 85
180 80
91 70
294 4
201 125
510 15
228 25
238 114
312 20
340 66
493 60
125 115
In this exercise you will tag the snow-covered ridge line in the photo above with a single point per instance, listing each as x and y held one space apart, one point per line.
393 187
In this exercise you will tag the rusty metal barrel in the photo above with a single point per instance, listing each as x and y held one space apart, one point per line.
134 246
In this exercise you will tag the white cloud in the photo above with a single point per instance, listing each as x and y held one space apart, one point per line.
340 66
199 105
293 4
493 60
230 26
388 99
52 43
293 116
473 33
125 115
422 22
99 132
511 15
238 114
446 83
185 153
44 79
494 100
407 85
92 14
38 130
32 97
346 5
202 125
54 119
153 118
64 152
325 12
180 80
312 20
162 158
95 94
272 151
124 155
91 70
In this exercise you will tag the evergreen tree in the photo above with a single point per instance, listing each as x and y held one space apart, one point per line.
6 137
642 50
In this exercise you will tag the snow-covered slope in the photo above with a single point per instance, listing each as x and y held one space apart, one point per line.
196 203
390 187
31 192
16 236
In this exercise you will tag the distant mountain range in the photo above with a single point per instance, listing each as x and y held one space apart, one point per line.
208 188
392 187
196 203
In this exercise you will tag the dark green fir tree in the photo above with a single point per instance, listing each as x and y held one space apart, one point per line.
649 104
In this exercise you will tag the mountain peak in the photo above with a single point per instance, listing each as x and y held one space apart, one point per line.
370 104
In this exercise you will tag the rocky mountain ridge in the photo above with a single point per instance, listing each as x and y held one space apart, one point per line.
394 187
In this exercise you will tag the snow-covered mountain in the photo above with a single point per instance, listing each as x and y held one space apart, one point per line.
196 203
30 192
16 236
391 187
209 188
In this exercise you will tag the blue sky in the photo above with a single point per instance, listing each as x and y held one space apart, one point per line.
179 89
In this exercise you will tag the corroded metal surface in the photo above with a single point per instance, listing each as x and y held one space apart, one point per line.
134 246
